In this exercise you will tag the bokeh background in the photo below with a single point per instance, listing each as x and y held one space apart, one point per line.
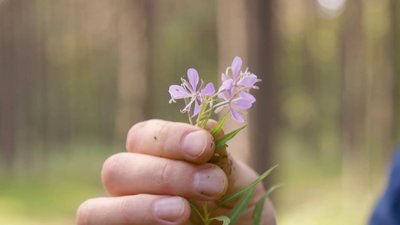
76 74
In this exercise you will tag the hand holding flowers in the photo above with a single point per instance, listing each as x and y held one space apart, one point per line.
172 173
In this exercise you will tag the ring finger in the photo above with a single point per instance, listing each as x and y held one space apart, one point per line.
133 173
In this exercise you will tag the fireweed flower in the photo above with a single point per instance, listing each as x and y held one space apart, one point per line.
238 105
235 88
233 96
188 90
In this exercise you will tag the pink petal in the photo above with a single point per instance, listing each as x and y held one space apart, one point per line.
226 85
223 95
236 116
224 77
241 103
208 90
178 92
249 97
236 65
196 109
193 77
248 81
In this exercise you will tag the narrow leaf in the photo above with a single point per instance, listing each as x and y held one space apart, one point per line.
233 196
221 142
219 126
258 211
260 205
224 219
241 206
194 209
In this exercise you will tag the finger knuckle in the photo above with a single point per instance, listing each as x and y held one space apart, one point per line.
165 174
163 130
126 210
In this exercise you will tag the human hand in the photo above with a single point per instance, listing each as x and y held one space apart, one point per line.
165 166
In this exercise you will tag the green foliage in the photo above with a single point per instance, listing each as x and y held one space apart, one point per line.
241 206
222 141
257 213
235 195
224 219
218 126
245 194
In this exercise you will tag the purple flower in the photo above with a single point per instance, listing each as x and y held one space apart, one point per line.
238 105
235 89
236 66
188 90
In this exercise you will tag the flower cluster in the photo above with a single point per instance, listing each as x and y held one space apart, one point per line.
233 94
234 98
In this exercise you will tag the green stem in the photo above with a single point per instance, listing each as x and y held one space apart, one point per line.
188 113
204 113
194 209
206 220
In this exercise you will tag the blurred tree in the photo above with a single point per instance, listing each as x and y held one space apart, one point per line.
353 89
133 71
24 78
8 85
263 44
395 50
378 140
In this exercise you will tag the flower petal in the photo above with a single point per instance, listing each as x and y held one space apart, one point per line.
249 97
241 103
208 90
248 81
196 109
227 85
224 77
236 116
236 65
178 92
223 95
193 77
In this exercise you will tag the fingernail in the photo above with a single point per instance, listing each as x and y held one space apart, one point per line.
194 143
210 182
169 209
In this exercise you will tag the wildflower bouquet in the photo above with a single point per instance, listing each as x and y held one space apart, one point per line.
232 98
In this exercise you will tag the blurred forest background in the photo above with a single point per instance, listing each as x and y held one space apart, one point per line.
76 74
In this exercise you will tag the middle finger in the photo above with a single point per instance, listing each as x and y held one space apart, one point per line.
133 173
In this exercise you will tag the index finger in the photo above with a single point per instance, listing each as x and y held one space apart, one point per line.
171 140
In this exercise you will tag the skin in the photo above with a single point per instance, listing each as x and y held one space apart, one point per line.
164 166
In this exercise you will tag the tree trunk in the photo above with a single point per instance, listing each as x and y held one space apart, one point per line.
263 61
395 31
8 85
133 65
353 91
379 94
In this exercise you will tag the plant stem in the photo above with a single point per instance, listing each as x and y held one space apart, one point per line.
206 214
188 113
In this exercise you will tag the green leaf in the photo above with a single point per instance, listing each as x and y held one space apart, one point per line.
194 209
241 206
258 211
221 142
224 219
235 195
260 205
219 126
